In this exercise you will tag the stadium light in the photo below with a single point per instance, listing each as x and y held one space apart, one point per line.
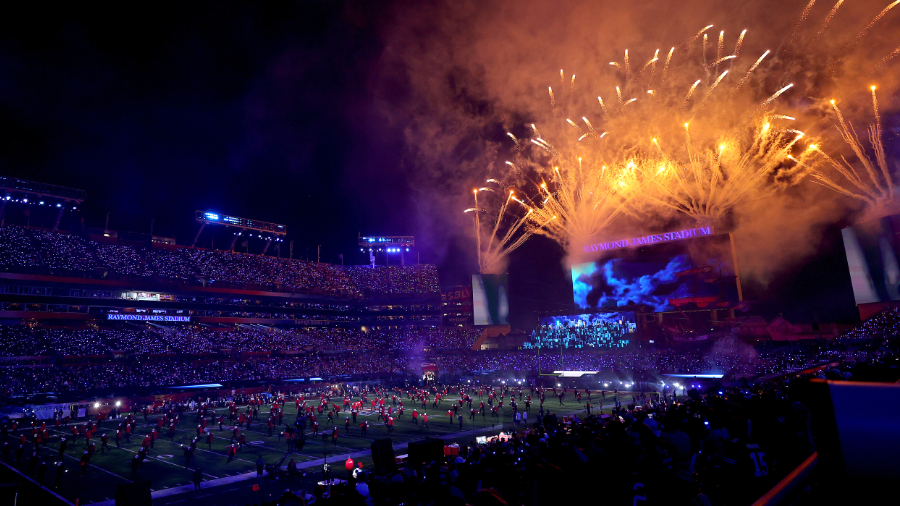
96 405
215 218
118 403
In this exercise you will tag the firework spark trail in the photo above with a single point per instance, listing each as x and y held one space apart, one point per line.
627 66
829 17
888 58
650 62
876 188
603 107
724 58
689 93
700 33
713 87
772 98
494 247
875 139
803 16
653 66
876 18
740 42
720 50
750 71
668 60
705 43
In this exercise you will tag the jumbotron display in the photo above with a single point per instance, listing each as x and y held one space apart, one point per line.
490 299
872 252
592 330
662 276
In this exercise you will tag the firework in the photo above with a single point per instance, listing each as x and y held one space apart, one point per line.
705 181
829 17
707 136
697 149
498 232
869 179
578 200
696 140
876 19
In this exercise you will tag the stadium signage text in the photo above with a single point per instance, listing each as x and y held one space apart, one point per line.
650 239
148 317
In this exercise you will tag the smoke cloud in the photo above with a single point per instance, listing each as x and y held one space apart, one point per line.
457 78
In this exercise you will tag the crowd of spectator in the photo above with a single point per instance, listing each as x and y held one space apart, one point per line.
85 376
733 361
20 340
884 324
69 254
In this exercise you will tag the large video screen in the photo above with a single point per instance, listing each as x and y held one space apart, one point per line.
594 330
699 271
872 252
490 299
457 305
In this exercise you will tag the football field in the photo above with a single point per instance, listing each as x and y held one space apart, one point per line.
236 482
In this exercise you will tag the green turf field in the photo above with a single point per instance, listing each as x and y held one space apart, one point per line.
232 483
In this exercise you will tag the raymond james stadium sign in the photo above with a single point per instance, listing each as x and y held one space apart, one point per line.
649 239
147 317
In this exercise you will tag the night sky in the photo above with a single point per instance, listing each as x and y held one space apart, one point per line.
278 111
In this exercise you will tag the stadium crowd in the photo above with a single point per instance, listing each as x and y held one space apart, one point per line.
87 375
33 250
20 340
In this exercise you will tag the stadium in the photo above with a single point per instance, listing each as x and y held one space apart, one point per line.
618 318
109 336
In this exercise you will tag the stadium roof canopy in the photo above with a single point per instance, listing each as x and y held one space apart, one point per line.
13 187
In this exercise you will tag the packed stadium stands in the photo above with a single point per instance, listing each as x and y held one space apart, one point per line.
37 251
180 355
19 341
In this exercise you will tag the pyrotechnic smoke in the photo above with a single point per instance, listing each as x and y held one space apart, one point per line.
484 70
733 146
699 156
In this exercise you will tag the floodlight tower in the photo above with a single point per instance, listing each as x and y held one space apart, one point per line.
31 192
269 232
387 244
